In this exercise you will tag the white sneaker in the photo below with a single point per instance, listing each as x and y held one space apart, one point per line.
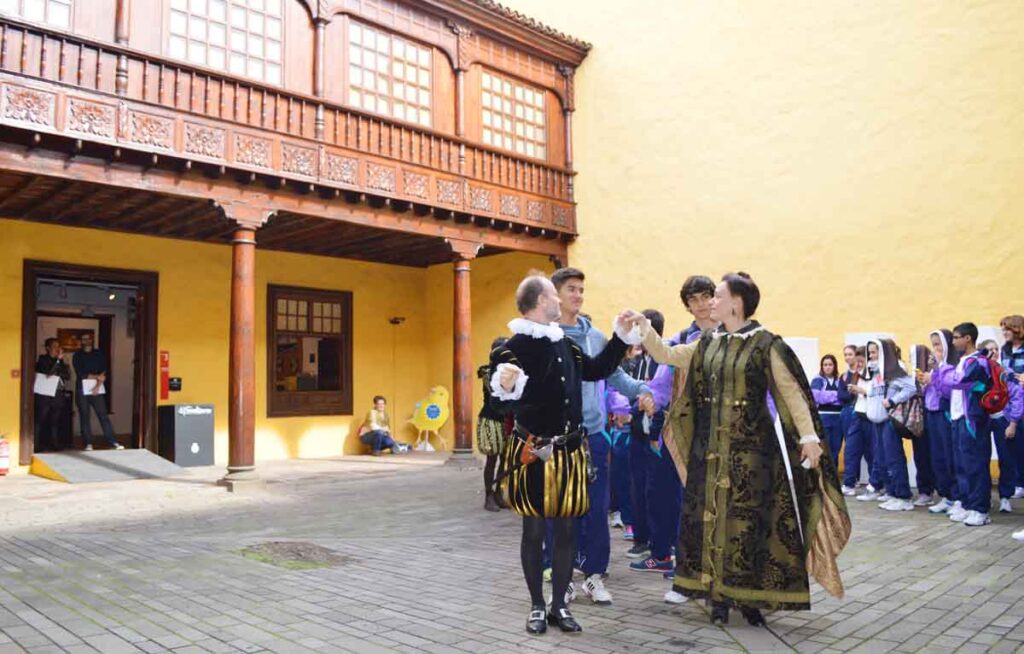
898 505
88 448
871 489
886 503
849 492
1018 535
615 520
119 447
1004 506
977 519
941 506
958 514
867 497
570 594
1018 493
672 597
884 497
593 587
923 500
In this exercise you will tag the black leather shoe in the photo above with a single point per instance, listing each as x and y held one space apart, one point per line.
491 504
719 613
754 617
536 624
565 621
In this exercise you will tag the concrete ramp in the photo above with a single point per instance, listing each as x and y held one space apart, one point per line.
79 467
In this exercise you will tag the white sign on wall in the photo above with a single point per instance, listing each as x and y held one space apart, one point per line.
806 350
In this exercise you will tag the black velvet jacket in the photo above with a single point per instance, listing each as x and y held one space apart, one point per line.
552 401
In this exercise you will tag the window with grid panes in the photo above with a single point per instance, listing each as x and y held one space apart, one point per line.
388 75
309 351
513 116
51 12
242 37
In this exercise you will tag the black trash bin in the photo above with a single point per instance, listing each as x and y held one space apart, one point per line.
186 434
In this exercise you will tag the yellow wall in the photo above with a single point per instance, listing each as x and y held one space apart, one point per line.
193 323
837 151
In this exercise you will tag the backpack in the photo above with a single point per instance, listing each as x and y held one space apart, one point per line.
997 396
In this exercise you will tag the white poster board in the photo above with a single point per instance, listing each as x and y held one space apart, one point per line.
806 350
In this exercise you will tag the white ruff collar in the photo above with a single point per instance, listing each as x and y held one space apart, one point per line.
552 332
740 334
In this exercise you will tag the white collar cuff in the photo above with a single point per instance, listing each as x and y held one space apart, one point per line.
552 331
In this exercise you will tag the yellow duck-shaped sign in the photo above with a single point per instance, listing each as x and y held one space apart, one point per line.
430 415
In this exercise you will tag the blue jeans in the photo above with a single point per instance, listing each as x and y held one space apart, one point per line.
924 480
622 496
833 424
1006 450
97 403
898 482
975 456
879 473
858 446
639 463
378 440
665 503
594 538
940 442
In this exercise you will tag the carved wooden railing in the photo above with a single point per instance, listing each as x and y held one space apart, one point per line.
109 92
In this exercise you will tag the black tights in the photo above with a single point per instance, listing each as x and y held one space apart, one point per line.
489 465
531 551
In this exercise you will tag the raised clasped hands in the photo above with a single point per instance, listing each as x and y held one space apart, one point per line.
508 376
646 404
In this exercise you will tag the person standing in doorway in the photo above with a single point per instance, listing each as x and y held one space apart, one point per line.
91 364
48 409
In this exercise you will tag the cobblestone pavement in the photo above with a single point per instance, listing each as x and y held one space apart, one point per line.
153 566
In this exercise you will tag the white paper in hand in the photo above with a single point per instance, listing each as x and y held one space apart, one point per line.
89 384
46 385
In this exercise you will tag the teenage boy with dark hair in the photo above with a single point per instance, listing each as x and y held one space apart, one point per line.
971 427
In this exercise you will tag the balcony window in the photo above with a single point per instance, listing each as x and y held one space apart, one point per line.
388 75
513 116
242 37
56 13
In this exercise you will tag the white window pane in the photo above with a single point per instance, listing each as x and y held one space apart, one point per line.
60 15
197 52
35 10
424 78
398 90
355 33
424 117
355 75
424 57
540 135
382 43
274 28
487 118
369 102
256 68
369 38
519 111
273 50
382 64
508 142
506 87
238 40
369 80
274 7
398 49
508 125
175 4
530 150
273 73
519 93
255 22
382 85
354 98
519 147
218 10
216 34
410 74
529 113
541 152
179 23
519 129
507 106
424 98
355 54
216 58
197 28
496 102
398 70
399 111
486 82
176 47
487 136
255 46
197 7
256 4
487 99
410 93
237 64
237 16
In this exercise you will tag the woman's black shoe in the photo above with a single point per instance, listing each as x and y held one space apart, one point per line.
536 623
564 620
754 617
719 613
491 503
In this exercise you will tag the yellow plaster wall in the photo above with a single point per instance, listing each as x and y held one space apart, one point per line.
861 160
193 324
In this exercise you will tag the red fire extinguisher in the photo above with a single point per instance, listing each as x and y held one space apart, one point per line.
5 456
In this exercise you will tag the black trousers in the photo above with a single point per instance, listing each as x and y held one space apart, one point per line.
48 414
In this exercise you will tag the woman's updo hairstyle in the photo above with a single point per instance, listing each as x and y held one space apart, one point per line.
742 285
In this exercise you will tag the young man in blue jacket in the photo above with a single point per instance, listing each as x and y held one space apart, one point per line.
971 426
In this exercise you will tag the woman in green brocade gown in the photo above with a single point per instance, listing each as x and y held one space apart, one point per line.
762 507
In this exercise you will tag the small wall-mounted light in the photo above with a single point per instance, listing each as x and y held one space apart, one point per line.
112 297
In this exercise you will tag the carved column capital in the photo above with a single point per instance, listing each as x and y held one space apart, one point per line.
464 250
246 215
569 74
462 33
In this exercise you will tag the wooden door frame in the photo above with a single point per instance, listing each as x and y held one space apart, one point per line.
146 336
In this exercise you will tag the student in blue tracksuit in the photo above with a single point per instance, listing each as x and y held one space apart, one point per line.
1012 357
825 388
936 380
971 427
858 444
1005 438
621 506
594 537
890 385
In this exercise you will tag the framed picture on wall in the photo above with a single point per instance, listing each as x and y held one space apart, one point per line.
71 338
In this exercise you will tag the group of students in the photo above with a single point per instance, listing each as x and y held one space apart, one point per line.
963 396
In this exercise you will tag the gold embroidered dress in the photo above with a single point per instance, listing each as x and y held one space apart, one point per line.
754 521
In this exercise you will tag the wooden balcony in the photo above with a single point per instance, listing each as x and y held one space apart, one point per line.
91 96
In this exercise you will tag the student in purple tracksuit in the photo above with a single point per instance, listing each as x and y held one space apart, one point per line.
1004 437
937 380
890 385
858 439
972 378
1012 357
621 505
825 388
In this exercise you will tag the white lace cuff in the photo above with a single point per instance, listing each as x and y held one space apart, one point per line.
809 438
632 337
500 392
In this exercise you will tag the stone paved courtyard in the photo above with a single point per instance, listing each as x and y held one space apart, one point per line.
154 566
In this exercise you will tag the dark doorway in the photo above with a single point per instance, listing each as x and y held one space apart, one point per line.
143 288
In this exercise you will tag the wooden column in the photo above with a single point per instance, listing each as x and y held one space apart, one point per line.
318 75
241 472
462 369
122 18
462 34
568 73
